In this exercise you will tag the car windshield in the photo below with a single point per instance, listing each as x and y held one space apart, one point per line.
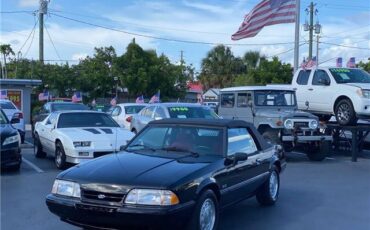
68 106
344 75
171 140
191 112
133 109
3 118
6 105
70 120
274 98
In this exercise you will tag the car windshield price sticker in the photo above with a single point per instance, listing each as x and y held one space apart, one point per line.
179 109
340 70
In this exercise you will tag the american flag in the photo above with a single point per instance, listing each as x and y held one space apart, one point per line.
311 63
44 96
3 94
155 98
266 13
76 97
113 102
140 99
339 62
351 63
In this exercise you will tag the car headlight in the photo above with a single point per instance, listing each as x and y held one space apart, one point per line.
66 188
313 124
151 197
81 143
288 124
366 93
11 139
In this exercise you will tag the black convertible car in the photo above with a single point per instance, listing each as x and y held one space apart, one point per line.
174 172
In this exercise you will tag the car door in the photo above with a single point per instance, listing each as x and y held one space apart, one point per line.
226 109
302 89
242 178
49 132
319 92
116 112
243 110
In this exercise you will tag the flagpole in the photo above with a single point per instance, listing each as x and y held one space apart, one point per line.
296 37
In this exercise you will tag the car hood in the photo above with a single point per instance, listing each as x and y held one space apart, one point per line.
132 170
360 85
96 134
283 113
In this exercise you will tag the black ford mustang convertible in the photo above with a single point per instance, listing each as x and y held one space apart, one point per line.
174 172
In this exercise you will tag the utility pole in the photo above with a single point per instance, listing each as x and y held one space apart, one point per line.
311 28
43 10
296 35
311 32
317 50
181 57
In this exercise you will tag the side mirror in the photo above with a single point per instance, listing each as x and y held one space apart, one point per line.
236 158
15 120
122 147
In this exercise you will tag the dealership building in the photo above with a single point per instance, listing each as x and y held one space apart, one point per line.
19 92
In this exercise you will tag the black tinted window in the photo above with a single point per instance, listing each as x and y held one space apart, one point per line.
67 106
191 112
133 109
320 77
6 105
227 100
3 118
303 77
69 120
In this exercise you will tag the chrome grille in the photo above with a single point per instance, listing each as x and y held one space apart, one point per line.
300 124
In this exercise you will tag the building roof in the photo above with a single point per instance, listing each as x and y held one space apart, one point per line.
195 87
21 82
252 88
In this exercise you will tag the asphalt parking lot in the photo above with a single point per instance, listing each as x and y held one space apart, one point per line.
333 194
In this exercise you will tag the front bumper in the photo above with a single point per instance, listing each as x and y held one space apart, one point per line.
306 138
10 157
88 215
81 155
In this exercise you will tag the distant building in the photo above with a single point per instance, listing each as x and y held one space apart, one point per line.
19 92
211 95
194 90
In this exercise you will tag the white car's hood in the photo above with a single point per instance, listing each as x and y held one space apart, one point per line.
102 137
360 85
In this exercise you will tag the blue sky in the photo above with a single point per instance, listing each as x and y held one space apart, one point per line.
344 22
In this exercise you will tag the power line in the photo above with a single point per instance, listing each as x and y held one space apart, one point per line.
17 12
29 47
352 47
286 51
51 40
165 39
29 35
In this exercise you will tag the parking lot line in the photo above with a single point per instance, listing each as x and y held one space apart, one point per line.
32 165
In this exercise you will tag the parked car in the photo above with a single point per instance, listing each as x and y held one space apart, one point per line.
176 172
78 136
50 107
10 143
169 110
11 111
342 92
122 113
273 110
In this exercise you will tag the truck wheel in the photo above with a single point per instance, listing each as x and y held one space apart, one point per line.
324 118
319 153
344 113
38 147
271 136
268 193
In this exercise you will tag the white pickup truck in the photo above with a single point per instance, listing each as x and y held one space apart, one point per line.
343 92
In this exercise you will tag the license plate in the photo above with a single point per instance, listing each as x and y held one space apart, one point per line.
95 208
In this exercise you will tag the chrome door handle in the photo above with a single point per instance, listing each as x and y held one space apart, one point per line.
310 89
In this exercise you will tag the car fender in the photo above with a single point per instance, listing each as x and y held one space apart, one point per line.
208 182
66 141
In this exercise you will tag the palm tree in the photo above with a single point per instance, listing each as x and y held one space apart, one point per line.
6 50
252 59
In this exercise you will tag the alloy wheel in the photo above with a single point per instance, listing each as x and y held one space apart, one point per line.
58 157
274 185
207 216
343 112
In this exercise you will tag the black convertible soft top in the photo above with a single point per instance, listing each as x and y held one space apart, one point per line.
227 123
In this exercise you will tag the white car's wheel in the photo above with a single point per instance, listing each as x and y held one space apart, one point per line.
60 156
39 153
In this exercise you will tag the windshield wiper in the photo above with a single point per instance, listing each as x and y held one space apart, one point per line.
176 149
145 147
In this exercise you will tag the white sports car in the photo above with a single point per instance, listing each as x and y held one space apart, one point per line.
78 136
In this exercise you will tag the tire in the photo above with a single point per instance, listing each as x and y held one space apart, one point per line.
271 136
344 113
206 200
15 168
39 153
268 193
60 156
319 153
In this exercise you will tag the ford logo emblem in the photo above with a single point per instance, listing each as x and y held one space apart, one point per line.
101 196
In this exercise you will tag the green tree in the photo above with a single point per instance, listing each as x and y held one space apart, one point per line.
5 50
364 65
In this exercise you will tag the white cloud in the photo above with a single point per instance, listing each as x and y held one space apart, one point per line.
28 3
207 7
79 56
